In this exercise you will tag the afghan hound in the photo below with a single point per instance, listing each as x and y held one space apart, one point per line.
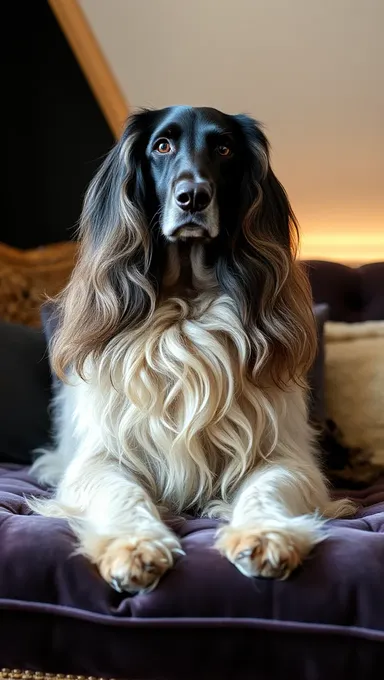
183 343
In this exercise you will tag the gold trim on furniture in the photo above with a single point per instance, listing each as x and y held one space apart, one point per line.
27 277
17 674
89 55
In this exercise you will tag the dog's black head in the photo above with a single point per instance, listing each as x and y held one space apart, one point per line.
196 159
184 173
202 177
195 172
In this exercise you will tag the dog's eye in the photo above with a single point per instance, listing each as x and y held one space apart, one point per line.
163 146
224 150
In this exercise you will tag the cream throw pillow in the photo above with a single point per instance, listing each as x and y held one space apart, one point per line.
354 383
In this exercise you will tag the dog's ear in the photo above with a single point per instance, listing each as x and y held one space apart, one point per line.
260 271
115 199
110 288
267 202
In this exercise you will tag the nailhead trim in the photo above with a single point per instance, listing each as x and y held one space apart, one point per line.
18 674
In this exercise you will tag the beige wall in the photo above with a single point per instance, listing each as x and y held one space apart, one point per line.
311 70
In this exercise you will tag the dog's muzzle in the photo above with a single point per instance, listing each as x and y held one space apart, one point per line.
191 230
191 212
193 197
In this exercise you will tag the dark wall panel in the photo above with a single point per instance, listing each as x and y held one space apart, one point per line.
56 134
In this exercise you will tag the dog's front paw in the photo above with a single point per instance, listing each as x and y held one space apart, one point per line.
137 563
266 548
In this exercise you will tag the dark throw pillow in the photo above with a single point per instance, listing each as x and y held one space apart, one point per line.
316 374
25 392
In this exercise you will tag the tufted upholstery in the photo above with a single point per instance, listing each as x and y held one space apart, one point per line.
353 294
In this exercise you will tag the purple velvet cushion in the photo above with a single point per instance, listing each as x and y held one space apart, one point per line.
205 619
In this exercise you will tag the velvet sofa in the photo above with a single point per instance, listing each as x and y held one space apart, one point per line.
205 620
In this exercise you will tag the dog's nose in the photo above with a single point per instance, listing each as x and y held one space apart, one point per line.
193 196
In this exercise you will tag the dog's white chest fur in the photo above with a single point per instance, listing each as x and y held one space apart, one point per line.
182 405
183 416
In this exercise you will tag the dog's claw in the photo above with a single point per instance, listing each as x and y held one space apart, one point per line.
150 567
116 584
135 565
244 553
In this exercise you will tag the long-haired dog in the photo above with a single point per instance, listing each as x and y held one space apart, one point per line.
184 339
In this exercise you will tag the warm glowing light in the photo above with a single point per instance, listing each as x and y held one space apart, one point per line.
350 241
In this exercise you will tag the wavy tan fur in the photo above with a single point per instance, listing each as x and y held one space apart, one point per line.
185 397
